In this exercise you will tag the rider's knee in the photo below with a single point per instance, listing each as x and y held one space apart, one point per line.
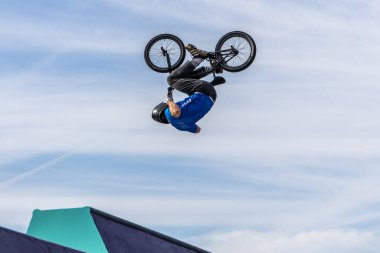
213 95
208 90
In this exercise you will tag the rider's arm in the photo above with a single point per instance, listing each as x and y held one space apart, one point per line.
174 109
192 128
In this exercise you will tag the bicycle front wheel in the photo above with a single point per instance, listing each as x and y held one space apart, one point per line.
237 50
164 53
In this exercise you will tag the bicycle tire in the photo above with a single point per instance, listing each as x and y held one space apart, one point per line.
155 59
226 40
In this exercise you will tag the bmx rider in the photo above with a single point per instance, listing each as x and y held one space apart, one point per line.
184 114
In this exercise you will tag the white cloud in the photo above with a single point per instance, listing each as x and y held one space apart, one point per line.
327 241
23 35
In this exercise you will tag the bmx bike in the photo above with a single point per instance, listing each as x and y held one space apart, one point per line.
234 52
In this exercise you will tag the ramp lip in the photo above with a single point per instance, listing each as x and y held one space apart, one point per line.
148 231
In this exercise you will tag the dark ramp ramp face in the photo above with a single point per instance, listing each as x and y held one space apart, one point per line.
121 236
14 242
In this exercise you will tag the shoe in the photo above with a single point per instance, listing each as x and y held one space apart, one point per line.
195 52
218 80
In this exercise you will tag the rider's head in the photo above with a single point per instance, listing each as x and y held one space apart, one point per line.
158 113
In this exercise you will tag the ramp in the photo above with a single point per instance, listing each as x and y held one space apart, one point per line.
90 230
73 228
14 242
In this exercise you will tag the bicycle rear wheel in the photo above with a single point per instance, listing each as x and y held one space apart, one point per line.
164 53
237 51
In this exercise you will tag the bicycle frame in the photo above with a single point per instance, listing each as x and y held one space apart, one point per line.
223 54
218 56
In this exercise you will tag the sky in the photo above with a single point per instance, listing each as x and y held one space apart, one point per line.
288 159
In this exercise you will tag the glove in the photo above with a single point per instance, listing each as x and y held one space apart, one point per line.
169 95
218 80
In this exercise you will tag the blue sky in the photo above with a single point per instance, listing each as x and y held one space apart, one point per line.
287 161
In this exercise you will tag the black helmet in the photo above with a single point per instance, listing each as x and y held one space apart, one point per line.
158 113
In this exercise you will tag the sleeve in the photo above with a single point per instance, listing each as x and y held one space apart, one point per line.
192 128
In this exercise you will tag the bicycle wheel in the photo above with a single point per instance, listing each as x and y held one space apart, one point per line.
237 50
164 53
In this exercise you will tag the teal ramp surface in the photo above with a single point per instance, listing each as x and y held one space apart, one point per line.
74 228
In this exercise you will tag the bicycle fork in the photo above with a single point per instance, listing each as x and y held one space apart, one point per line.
165 53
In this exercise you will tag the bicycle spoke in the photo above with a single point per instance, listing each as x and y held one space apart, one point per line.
243 48
158 59
157 56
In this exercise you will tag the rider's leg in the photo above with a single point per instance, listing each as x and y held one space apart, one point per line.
190 86
181 79
185 71
207 89
201 72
